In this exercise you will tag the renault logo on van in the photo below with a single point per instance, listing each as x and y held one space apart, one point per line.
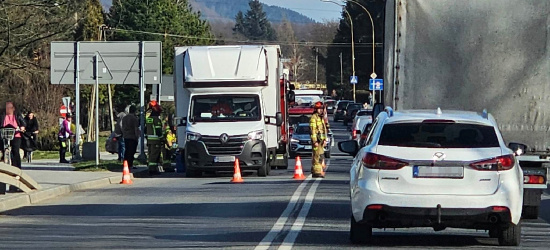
439 156
224 138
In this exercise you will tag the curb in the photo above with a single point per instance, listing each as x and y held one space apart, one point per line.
46 194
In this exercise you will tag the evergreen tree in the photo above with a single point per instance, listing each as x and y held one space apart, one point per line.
254 24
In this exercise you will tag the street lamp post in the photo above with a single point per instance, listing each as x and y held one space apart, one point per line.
373 44
352 40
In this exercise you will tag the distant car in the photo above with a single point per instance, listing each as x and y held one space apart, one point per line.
350 112
435 169
300 142
362 117
340 107
331 106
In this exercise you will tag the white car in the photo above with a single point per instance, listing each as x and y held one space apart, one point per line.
362 118
429 168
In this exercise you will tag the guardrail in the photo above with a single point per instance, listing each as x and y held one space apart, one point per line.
16 177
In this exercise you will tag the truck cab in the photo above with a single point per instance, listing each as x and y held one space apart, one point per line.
228 107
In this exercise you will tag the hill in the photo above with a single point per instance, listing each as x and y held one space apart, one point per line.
226 10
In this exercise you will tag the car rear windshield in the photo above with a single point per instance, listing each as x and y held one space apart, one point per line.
342 105
363 113
438 135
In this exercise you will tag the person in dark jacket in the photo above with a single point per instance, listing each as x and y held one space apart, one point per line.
32 132
10 118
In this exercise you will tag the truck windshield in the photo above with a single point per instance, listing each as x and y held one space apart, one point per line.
307 100
438 135
225 108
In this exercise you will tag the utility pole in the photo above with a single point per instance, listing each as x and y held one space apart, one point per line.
316 65
341 71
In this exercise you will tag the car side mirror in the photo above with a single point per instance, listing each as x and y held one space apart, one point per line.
291 97
349 147
278 119
376 110
180 121
518 148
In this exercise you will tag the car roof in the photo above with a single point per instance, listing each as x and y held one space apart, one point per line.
455 115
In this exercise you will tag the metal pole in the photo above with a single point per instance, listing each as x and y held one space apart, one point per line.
96 74
316 65
352 50
76 156
142 157
341 71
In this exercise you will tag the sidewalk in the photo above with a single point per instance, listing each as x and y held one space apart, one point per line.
57 179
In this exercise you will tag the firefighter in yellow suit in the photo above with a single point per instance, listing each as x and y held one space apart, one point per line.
318 139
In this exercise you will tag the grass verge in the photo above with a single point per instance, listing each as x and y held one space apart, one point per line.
42 155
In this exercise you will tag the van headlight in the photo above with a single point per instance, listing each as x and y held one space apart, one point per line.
294 140
193 136
256 135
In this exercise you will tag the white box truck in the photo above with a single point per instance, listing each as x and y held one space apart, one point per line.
475 55
228 103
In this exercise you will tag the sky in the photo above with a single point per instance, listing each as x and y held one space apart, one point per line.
315 9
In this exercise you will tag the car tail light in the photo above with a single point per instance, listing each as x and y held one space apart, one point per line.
374 161
374 207
364 136
499 209
501 163
354 134
534 179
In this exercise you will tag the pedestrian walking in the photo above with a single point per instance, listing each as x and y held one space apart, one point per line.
10 118
31 133
118 133
319 131
155 138
64 134
130 134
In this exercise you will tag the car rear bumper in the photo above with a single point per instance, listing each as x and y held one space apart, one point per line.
436 217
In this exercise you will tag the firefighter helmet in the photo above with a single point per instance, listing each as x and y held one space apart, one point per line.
318 105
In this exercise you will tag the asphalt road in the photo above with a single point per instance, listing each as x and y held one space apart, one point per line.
263 213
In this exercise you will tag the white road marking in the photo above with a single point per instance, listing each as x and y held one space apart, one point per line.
299 222
280 224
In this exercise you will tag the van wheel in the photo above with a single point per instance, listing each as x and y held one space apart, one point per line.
510 236
493 233
530 212
359 233
190 173
262 171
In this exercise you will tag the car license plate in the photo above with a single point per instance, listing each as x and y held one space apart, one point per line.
224 158
307 147
438 172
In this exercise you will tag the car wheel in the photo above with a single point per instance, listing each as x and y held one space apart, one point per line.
530 212
327 154
510 236
292 155
262 171
191 173
359 233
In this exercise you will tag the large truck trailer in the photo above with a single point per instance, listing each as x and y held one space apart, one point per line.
476 55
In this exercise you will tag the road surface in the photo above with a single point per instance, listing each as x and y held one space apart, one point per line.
263 213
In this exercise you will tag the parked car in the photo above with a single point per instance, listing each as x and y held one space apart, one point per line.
351 111
340 108
435 169
300 143
362 117
331 106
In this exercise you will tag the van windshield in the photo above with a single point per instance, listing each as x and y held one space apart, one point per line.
438 135
307 100
225 108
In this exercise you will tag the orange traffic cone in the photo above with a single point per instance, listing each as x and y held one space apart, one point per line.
237 173
298 172
126 179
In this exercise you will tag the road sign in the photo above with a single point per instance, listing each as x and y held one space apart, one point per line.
376 84
119 62
353 79
373 75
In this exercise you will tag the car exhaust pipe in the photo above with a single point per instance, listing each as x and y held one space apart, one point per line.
493 219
